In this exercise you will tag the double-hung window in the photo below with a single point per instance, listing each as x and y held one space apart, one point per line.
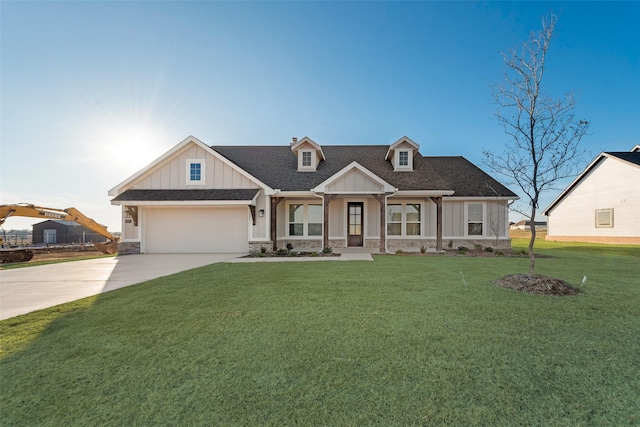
475 219
404 219
306 158
403 159
305 219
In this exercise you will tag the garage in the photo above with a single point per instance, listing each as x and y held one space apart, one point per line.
221 229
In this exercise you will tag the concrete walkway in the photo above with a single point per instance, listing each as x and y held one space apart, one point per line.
23 290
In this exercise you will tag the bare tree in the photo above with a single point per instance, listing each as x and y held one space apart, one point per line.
544 134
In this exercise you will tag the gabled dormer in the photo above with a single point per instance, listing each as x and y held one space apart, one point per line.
401 154
309 154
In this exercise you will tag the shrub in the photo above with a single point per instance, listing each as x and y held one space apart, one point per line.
327 250
263 249
423 249
289 247
477 247
501 253
281 252
488 249
462 249
399 251
450 244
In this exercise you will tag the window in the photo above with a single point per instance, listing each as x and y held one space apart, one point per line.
475 219
305 220
394 220
403 158
306 158
404 217
296 220
604 218
195 171
316 219
412 219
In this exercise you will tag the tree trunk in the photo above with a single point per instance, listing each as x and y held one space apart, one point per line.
532 258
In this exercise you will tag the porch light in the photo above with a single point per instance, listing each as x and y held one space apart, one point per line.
261 212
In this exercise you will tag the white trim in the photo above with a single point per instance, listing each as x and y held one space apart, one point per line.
400 141
322 187
579 178
403 219
202 179
306 139
167 156
184 203
610 224
422 193
465 225
305 219
479 199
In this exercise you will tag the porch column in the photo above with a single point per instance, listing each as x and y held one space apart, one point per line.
383 230
325 230
438 202
274 236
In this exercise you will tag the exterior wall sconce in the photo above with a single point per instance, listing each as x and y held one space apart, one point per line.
261 212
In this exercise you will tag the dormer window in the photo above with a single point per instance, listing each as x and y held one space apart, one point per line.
403 158
401 154
306 159
308 152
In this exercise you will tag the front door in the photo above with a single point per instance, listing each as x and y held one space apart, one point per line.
354 224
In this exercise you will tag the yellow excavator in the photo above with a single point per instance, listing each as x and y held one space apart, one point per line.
69 214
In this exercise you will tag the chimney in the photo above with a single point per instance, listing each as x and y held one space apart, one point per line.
294 140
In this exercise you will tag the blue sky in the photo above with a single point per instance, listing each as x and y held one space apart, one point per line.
93 91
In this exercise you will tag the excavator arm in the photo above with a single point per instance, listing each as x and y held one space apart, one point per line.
69 214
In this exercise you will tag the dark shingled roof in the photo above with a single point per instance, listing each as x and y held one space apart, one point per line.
629 156
277 166
183 195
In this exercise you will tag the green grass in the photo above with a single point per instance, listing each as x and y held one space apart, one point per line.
400 341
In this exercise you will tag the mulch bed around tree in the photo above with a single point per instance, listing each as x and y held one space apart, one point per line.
536 284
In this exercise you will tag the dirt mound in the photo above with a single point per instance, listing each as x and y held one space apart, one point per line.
537 284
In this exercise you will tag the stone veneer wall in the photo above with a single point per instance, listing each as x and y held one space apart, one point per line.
302 245
256 247
128 248
414 245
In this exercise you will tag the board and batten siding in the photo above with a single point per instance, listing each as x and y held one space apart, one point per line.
172 175
355 181
611 184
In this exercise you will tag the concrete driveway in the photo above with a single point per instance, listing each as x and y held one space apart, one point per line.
23 290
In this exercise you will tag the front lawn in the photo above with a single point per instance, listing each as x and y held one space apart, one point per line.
400 341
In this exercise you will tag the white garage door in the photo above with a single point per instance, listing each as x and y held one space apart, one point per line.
196 230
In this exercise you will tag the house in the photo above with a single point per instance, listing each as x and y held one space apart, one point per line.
201 199
526 225
602 205
57 231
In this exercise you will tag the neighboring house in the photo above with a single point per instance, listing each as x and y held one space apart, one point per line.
526 225
602 205
56 231
201 199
